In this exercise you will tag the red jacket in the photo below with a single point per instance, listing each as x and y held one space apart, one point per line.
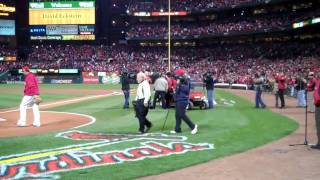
311 84
31 86
281 82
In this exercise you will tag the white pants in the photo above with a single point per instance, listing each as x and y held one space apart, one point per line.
310 101
28 101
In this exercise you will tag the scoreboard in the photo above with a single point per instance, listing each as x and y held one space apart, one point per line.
62 20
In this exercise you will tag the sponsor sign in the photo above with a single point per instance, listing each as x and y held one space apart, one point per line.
61 29
46 37
46 163
91 80
78 37
180 13
111 80
61 16
38 30
61 81
7 27
86 29
141 14
68 71
61 5
10 58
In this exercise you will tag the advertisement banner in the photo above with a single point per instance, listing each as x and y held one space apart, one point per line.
61 29
90 80
61 81
78 37
10 58
180 13
7 27
61 16
62 4
68 71
110 80
38 30
86 29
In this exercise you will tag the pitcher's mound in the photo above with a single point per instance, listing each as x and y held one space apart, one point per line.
50 121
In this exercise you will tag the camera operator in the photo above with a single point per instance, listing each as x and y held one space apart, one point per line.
209 83
182 100
171 87
125 87
259 80
161 88
142 103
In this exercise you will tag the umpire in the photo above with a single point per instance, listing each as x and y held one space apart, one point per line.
125 87
182 100
142 105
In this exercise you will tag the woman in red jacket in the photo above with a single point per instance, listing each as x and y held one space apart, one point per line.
31 89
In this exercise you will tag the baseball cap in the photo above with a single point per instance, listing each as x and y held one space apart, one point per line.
180 72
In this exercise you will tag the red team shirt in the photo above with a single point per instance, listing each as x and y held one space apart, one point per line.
31 86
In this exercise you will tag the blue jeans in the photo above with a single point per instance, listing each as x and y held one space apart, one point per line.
126 94
259 102
292 91
210 97
302 98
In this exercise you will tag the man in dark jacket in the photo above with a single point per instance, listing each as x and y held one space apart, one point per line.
125 86
182 100
209 82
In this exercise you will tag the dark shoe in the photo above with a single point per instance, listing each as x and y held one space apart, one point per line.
148 128
317 146
264 106
141 132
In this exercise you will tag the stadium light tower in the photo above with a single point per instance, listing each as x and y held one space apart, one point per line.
169 35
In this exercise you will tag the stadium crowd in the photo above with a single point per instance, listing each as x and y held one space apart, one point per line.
178 5
231 63
205 27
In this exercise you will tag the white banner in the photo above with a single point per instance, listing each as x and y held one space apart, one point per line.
61 29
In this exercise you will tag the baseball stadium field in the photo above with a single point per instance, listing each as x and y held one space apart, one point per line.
94 138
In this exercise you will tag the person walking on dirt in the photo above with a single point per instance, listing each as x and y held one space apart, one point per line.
30 98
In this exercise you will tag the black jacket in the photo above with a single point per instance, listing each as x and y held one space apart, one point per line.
125 82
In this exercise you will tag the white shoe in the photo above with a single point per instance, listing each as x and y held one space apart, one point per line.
36 124
194 130
19 124
173 132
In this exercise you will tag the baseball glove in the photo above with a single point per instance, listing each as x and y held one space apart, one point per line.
37 99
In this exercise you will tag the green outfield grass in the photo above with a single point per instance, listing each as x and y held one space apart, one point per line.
231 129
11 94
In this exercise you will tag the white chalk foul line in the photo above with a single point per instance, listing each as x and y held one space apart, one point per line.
1 120
93 119
67 101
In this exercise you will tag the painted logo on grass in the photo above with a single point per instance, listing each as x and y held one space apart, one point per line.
43 164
